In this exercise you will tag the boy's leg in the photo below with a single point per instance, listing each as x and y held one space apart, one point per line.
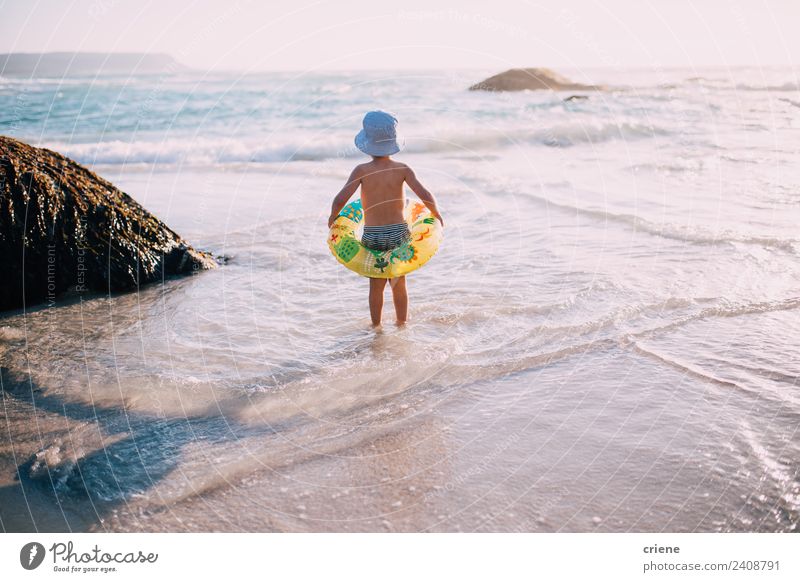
400 298
376 287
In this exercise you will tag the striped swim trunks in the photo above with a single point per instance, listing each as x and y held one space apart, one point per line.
385 236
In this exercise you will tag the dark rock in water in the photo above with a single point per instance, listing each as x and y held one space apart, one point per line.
64 229
530 79
577 98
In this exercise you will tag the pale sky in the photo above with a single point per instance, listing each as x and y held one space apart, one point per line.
327 34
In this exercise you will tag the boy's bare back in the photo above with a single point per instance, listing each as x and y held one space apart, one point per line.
382 194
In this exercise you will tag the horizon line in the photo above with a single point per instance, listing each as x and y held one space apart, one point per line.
595 66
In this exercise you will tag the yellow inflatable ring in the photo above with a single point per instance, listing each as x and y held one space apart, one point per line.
426 234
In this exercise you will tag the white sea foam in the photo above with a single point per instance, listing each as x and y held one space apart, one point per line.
221 151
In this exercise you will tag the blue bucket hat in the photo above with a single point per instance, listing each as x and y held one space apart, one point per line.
379 136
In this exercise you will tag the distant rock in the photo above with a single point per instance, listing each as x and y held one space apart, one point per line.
65 229
532 80
82 64
577 98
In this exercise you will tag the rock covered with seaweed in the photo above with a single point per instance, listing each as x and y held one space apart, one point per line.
531 79
64 229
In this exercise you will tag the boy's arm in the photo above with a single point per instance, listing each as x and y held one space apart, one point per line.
422 192
344 194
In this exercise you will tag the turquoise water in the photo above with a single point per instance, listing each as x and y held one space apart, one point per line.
605 342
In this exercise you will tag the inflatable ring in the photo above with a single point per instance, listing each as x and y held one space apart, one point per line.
345 244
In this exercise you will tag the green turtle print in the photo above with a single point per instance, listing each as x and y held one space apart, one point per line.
380 258
381 263
404 253
347 248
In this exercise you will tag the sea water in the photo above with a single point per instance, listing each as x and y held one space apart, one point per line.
606 341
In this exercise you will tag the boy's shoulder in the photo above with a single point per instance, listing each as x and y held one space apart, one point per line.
361 169
399 165
366 167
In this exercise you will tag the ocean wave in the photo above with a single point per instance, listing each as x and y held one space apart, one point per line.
710 376
466 372
789 86
713 84
694 235
687 367
200 151
734 309
726 308
565 135
226 150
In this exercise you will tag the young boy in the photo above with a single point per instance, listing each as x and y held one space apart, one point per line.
383 199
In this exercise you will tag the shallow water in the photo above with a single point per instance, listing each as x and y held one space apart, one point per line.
605 342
